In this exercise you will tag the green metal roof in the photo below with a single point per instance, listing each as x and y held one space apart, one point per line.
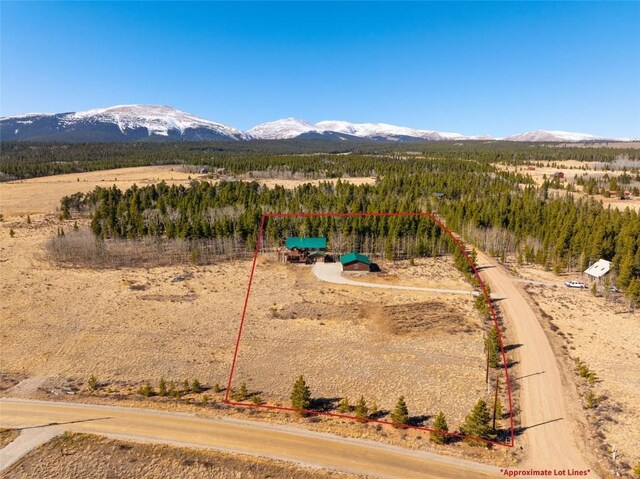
351 257
306 243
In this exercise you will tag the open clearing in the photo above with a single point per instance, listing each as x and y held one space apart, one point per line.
127 326
83 455
349 341
42 195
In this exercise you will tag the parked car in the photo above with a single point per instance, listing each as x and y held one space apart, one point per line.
575 284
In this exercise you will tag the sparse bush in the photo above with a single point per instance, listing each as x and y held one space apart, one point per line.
28 219
592 400
146 390
186 387
256 399
217 388
374 411
11 232
92 382
75 226
440 424
636 470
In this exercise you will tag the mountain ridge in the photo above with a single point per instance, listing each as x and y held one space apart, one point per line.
123 123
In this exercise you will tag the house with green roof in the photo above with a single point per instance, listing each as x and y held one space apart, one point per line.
355 262
318 244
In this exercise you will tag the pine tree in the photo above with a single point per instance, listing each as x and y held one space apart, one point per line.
344 407
400 414
196 387
11 232
300 394
362 410
439 424
162 387
373 412
243 393
477 424
492 345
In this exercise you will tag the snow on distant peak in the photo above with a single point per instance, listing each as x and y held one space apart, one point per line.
282 129
157 119
557 135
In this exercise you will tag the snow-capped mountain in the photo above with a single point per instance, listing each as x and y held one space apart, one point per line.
116 124
555 135
154 122
282 129
296 128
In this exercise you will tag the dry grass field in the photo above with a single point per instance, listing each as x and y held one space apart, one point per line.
130 325
570 169
136 325
7 436
42 195
82 455
350 341
605 334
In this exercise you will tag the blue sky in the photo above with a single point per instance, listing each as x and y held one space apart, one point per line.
475 68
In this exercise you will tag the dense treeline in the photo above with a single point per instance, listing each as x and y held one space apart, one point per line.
556 231
24 160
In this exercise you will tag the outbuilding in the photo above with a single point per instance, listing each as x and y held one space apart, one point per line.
355 262
598 269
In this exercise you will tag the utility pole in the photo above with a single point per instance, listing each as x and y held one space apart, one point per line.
486 378
495 403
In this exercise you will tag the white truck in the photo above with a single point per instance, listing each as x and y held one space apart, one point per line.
575 284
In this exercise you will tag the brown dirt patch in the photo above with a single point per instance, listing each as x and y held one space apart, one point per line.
425 317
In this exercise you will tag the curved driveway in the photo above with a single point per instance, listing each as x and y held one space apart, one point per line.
332 273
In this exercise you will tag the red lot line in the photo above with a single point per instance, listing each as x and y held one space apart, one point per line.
346 416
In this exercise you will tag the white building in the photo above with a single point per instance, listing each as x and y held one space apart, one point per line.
598 269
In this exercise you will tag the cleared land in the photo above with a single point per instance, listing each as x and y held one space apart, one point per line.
136 325
570 169
349 341
83 455
42 195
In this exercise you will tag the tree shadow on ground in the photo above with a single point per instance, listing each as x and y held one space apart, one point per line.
510 347
418 420
324 404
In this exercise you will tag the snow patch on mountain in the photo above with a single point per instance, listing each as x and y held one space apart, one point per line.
557 135
282 129
157 119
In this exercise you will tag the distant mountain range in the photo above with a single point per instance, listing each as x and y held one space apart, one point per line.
126 123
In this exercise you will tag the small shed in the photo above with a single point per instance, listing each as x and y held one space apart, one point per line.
598 269
559 175
355 262
439 195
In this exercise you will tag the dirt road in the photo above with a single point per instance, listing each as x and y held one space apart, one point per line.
277 442
549 436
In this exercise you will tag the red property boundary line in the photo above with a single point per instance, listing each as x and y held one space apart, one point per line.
346 416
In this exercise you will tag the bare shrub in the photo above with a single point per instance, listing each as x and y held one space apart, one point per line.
82 249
